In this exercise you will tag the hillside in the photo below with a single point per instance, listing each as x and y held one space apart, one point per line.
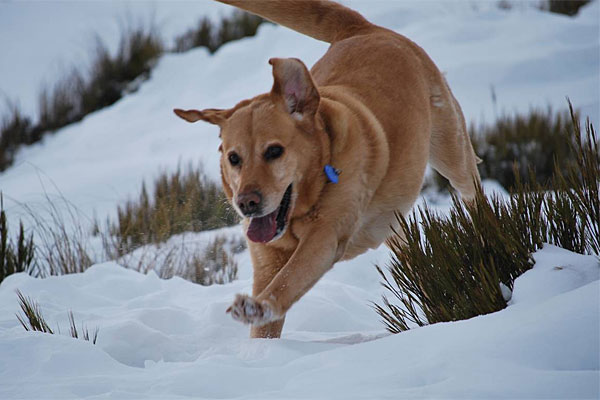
531 58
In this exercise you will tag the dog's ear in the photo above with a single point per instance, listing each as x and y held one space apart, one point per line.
211 115
294 85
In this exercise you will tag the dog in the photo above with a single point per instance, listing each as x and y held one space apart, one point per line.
318 166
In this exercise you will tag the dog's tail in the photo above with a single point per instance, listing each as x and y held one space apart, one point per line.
321 19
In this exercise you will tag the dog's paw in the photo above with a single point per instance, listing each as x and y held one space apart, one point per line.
250 311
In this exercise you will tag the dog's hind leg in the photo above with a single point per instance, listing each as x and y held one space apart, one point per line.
451 152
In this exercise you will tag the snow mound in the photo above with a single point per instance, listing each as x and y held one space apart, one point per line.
172 339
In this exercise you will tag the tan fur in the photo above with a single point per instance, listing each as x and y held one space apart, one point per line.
374 106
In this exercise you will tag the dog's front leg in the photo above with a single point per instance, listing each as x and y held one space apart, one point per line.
315 255
267 262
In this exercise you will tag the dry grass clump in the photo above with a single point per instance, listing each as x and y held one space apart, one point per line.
189 258
452 268
32 319
515 145
214 266
62 241
183 201
85 333
14 257
567 7
206 34
15 130
525 142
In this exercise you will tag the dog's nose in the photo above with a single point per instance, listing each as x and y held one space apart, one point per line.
249 203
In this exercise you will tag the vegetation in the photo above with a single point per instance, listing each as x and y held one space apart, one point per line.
567 7
446 269
80 93
62 243
205 265
33 320
451 269
206 34
110 77
184 201
85 333
14 257
15 130
215 266
527 142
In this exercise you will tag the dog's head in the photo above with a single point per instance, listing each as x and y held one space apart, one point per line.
270 148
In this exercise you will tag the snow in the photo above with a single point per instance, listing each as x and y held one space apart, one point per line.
530 57
63 35
172 338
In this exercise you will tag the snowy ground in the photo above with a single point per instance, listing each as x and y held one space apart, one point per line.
172 339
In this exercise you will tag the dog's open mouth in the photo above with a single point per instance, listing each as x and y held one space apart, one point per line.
266 228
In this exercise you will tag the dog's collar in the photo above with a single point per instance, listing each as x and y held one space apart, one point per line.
332 174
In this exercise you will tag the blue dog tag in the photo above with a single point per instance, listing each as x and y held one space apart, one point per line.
332 174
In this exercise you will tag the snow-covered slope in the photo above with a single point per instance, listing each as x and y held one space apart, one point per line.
172 339
41 41
530 57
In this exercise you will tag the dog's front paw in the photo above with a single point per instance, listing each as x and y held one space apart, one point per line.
250 311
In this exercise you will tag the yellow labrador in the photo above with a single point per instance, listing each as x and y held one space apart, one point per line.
318 166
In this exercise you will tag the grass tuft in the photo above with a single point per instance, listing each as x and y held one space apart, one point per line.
452 268
567 7
183 201
525 142
215 266
85 333
14 258
15 129
448 269
33 320
206 34
62 241
514 146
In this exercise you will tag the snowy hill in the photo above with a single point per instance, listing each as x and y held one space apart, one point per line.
530 57
172 339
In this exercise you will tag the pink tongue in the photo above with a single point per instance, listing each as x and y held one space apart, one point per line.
263 229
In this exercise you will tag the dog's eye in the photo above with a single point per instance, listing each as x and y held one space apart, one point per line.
273 152
234 159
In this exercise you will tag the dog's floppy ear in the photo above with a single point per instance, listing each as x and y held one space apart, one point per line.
211 115
293 83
